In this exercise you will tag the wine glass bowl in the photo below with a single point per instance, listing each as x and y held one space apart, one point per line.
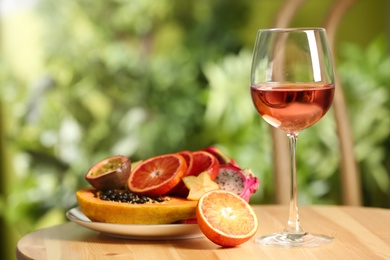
292 88
292 107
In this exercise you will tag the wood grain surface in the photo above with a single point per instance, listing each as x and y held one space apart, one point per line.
359 232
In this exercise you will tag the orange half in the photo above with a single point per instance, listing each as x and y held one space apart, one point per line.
198 162
204 161
157 175
225 218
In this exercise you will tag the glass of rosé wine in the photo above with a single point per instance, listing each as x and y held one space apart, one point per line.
292 88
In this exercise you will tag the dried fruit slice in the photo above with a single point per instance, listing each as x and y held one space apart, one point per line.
225 218
157 175
171 210
199 185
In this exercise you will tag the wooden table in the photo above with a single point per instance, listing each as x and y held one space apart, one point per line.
360 233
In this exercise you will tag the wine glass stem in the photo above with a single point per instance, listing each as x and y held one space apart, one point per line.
293 226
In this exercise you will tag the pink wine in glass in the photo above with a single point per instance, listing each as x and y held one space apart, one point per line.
294 106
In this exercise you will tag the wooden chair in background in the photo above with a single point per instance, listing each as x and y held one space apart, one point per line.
350 176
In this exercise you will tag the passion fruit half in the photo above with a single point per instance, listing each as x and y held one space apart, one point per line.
110 173
170 210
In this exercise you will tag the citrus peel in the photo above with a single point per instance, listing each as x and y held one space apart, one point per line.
225 218
158 175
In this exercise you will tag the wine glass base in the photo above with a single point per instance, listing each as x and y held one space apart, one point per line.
293 240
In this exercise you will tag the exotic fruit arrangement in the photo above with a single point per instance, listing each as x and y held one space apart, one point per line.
166 189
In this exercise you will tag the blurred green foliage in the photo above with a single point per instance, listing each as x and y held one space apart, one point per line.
142 78
365 75
124 77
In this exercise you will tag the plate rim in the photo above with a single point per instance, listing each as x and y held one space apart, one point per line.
98 226
70 215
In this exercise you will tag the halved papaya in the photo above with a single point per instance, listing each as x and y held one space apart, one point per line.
166 212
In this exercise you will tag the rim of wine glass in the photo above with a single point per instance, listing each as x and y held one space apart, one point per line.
293 29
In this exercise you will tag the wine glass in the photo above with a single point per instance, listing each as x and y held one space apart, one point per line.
292 87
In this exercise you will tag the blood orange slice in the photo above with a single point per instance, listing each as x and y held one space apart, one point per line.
188 157
225 218
198 162
223 159
157 175
204 161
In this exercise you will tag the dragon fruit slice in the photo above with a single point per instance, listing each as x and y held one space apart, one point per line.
240 181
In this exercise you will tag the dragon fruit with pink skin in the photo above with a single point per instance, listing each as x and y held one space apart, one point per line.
240 181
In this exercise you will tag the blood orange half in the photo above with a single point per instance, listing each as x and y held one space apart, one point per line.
225 218
204 161
157 175
198 162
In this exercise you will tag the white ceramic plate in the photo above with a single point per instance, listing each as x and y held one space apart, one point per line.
136 231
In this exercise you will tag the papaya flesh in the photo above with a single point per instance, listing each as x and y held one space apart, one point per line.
171 210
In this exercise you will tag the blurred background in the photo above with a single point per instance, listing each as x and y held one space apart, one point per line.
84 80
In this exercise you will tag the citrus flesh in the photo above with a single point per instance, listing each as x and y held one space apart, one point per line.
169 211
157 175
198 162
225 218
188 157
204 161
